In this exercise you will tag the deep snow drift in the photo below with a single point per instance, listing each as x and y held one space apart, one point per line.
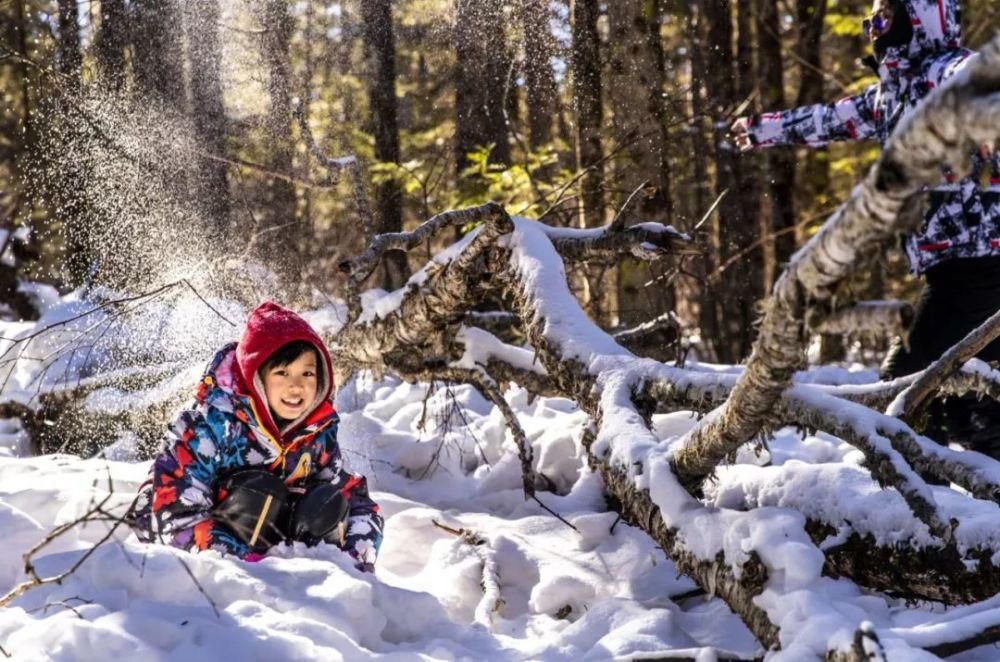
594 594
433 455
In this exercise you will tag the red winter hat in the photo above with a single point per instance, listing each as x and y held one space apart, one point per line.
269 328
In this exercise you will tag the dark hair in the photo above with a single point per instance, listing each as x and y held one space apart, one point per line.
287 354
900 33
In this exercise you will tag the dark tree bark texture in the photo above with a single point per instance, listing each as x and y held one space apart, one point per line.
780 164
380 44
636 66
542 93
481 79
207 111
588 107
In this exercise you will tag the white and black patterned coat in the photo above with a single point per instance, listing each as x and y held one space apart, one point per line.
963 217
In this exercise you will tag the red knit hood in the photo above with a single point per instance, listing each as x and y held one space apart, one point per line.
269 328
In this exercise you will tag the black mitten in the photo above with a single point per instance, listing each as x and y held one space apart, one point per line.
321 516
255 508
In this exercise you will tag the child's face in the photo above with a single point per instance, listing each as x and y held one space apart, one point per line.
291 388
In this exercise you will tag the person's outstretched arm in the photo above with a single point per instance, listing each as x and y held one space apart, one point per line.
851 118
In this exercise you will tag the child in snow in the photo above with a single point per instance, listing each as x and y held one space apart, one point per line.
254 460
916 46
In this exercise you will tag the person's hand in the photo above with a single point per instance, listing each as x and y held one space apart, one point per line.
740 132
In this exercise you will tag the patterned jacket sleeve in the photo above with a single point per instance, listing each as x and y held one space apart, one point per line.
851 118
364 524
184 475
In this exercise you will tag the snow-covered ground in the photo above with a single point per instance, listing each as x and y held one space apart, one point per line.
602 591
438 459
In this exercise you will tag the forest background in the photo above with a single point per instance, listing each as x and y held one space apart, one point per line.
136 133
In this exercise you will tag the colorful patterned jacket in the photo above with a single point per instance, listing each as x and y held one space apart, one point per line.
229 427
963 218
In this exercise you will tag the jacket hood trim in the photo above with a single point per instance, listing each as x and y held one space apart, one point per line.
269 328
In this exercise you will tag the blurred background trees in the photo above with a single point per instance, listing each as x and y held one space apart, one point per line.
561 109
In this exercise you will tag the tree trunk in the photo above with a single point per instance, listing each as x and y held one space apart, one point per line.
207 111
380 43
481 81
586 66
281 200
158 53
814 175
780 164
110 44
542 93
596 286
68 55
696 307
734 304
71 182
636 68
739 233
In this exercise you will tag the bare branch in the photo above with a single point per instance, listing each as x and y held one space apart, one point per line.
653 338
618 223
335 165
491 601
488 388
359 269
645 241
94 513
